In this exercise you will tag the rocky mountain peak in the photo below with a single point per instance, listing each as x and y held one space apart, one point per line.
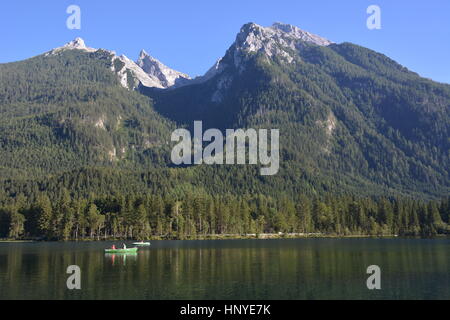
297 33
76 44
154 68
147 71
253 38
278 40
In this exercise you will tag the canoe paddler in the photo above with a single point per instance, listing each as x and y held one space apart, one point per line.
113 247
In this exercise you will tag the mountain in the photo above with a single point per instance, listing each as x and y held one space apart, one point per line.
279 42
85 143
68 109
167 77
350 119
147 71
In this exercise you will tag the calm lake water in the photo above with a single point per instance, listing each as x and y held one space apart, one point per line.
230 269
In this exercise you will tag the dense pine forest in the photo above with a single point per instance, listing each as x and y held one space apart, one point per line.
199 216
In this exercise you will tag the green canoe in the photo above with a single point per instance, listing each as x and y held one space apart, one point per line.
128 250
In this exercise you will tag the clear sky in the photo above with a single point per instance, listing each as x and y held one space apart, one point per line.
190 35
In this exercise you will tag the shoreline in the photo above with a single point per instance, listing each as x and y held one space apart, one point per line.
267 236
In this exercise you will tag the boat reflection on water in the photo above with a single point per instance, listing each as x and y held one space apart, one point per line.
121 257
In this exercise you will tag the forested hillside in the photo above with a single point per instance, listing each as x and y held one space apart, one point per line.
349 117
67 111
364 145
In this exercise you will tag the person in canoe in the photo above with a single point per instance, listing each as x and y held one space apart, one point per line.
113 247
124 246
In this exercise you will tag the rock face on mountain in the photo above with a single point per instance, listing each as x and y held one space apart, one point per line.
147 71
77 44
166 76
279 41
131 75
276 40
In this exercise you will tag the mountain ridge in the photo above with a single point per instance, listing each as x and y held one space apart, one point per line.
351 119
146 71
334 98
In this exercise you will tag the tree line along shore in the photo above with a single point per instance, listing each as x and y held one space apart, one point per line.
148 216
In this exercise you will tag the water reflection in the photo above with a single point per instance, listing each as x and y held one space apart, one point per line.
121 257
255 269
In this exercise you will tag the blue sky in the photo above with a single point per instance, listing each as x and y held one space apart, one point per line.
190 35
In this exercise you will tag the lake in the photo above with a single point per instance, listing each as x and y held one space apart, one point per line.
229 269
